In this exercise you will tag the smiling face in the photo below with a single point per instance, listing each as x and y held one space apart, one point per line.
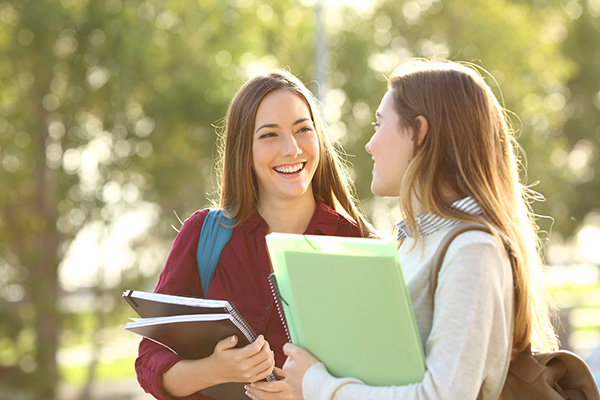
285 147
391 148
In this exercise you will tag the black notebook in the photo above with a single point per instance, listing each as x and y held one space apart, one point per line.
190 327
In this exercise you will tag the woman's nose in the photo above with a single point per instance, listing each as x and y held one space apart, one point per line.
290 146
368 147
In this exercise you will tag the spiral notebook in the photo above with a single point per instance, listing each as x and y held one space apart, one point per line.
190 327
345 301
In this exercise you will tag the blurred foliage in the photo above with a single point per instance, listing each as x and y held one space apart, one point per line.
106 106
106 371
520 44
112 107
579 192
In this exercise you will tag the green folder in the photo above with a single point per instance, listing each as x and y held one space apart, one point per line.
345 301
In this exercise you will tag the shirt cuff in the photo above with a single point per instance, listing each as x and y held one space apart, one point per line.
151 367
318 383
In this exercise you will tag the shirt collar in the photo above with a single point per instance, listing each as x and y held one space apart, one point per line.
253 221
428 223
324 220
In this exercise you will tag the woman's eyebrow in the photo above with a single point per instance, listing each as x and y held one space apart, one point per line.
266 126
277 126
301 120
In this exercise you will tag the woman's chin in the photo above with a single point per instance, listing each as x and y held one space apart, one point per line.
382 192
296 192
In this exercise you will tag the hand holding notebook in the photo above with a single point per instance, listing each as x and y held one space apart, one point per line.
249 363
192 327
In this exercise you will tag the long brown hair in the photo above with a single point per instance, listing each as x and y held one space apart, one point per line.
238 186
470 150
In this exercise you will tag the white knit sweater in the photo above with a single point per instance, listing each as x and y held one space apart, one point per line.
467 337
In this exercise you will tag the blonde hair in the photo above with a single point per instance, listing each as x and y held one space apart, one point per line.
470 150
238 190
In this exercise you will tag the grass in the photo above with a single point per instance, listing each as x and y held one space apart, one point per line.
118 369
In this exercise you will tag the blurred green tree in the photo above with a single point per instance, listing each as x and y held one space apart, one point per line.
519 43
582 128
104 106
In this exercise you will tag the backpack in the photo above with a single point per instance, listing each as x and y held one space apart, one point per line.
555 375
215 234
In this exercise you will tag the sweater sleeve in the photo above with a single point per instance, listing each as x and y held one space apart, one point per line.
179 277
470 335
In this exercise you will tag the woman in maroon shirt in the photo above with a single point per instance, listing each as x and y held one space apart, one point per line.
279 173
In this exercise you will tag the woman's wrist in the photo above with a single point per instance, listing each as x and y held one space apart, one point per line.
190 376
212 371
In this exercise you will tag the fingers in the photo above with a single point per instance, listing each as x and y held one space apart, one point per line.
227 343
280 373
264 353
288 366
270 387
263 370
259 365
298 354
245 352
289 349
262 363
250 363
254 347
268 390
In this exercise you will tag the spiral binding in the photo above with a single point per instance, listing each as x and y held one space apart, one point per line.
248 332
279 305
247 329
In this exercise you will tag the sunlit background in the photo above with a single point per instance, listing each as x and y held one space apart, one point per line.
109 112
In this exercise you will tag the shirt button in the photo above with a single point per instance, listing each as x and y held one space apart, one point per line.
268 307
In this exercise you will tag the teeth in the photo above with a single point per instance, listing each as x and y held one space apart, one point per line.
289 169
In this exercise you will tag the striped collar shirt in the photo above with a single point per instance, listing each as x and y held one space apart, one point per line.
428 223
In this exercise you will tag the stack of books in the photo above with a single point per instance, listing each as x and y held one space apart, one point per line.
190 327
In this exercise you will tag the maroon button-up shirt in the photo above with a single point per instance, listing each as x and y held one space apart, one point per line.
241 278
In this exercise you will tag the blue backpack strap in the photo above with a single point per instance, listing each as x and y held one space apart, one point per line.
213 238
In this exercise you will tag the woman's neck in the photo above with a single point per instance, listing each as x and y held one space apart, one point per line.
291 216
449 195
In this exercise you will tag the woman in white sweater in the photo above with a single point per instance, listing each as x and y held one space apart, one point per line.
443 145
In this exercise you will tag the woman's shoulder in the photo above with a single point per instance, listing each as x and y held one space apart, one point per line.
475 239
472 249
463 239
197 216
195 219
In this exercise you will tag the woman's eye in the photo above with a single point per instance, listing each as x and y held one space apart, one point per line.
305 129
267 135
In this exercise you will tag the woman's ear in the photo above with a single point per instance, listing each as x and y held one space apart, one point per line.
422 129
